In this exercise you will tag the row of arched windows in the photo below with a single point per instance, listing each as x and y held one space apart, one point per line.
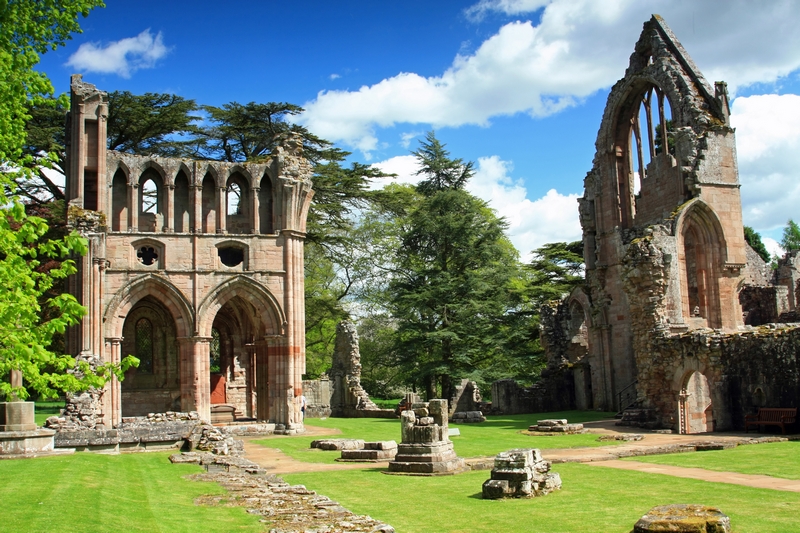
152 207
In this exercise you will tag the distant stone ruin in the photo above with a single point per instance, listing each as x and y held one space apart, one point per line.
520 473
678 320
426 448
348 397
556 425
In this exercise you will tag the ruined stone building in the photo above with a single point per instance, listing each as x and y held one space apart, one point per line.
194 267
666 318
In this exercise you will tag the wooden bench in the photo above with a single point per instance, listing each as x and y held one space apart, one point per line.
771 416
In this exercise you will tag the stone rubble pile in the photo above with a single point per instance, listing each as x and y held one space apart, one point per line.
372 452
284 508
557 425
207 438
520 473
82 411
468 417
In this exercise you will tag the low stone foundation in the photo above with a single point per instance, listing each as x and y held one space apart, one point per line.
683 518
468 417
556 425
520 473
372 452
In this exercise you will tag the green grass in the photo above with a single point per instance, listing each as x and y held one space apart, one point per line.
386 404
131 492
777 459
44 410
593 500
497 434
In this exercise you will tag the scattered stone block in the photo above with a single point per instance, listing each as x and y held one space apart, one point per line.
520 473
557 425
468 417
372 452
338 444
626 437
683 518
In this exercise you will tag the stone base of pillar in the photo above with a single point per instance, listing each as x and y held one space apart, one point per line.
17 416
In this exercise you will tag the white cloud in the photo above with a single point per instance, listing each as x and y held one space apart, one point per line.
768 146
508 7
532 223
579 47
772 246
335 76
123 57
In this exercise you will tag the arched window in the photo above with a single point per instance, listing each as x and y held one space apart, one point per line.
144 345
215 351
234 199
149 197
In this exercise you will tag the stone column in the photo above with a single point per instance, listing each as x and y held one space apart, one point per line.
112 399
255 220
169 211
102 187
222 210
195 375
197 205
133 213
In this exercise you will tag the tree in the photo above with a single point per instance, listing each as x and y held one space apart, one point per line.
150 124
28 29
791 236
452 289
753 238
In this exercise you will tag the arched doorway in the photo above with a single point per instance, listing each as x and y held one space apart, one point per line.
695 406
232 360
154 386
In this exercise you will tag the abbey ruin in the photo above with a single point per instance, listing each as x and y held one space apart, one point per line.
195 268
676 319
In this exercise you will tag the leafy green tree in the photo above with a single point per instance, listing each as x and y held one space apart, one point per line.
753 238
28 29
791 236
452 288
151 123
555 269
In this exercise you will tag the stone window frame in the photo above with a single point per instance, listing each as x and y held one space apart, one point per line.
158 247
229 244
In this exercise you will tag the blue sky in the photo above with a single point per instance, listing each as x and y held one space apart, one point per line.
518 86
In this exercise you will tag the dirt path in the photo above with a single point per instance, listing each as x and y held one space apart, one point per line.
734 478
278 462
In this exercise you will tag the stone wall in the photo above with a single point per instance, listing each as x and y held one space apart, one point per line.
762 305
348 397
318 397
744 371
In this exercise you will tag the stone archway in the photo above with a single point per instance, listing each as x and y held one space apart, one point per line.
695 408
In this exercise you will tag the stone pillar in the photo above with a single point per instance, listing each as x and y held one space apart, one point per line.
197 205
169 209
112 399
102 189
222 210
255 220
196 375
133 201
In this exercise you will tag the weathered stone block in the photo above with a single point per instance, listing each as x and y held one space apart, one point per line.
683 518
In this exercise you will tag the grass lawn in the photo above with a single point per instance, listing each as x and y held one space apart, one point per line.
91 493
497 434
44 410
592 500
777 459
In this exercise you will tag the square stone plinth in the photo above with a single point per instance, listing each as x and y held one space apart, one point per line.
17 416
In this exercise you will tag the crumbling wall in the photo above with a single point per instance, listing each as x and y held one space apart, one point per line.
745 370
762 305
466 397
318 397
788 275
348 397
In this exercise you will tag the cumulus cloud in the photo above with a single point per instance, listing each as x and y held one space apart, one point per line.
123 57
578 47
478 11
532 223
768 146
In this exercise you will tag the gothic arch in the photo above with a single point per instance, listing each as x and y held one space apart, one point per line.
158 288
702 254
266 306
